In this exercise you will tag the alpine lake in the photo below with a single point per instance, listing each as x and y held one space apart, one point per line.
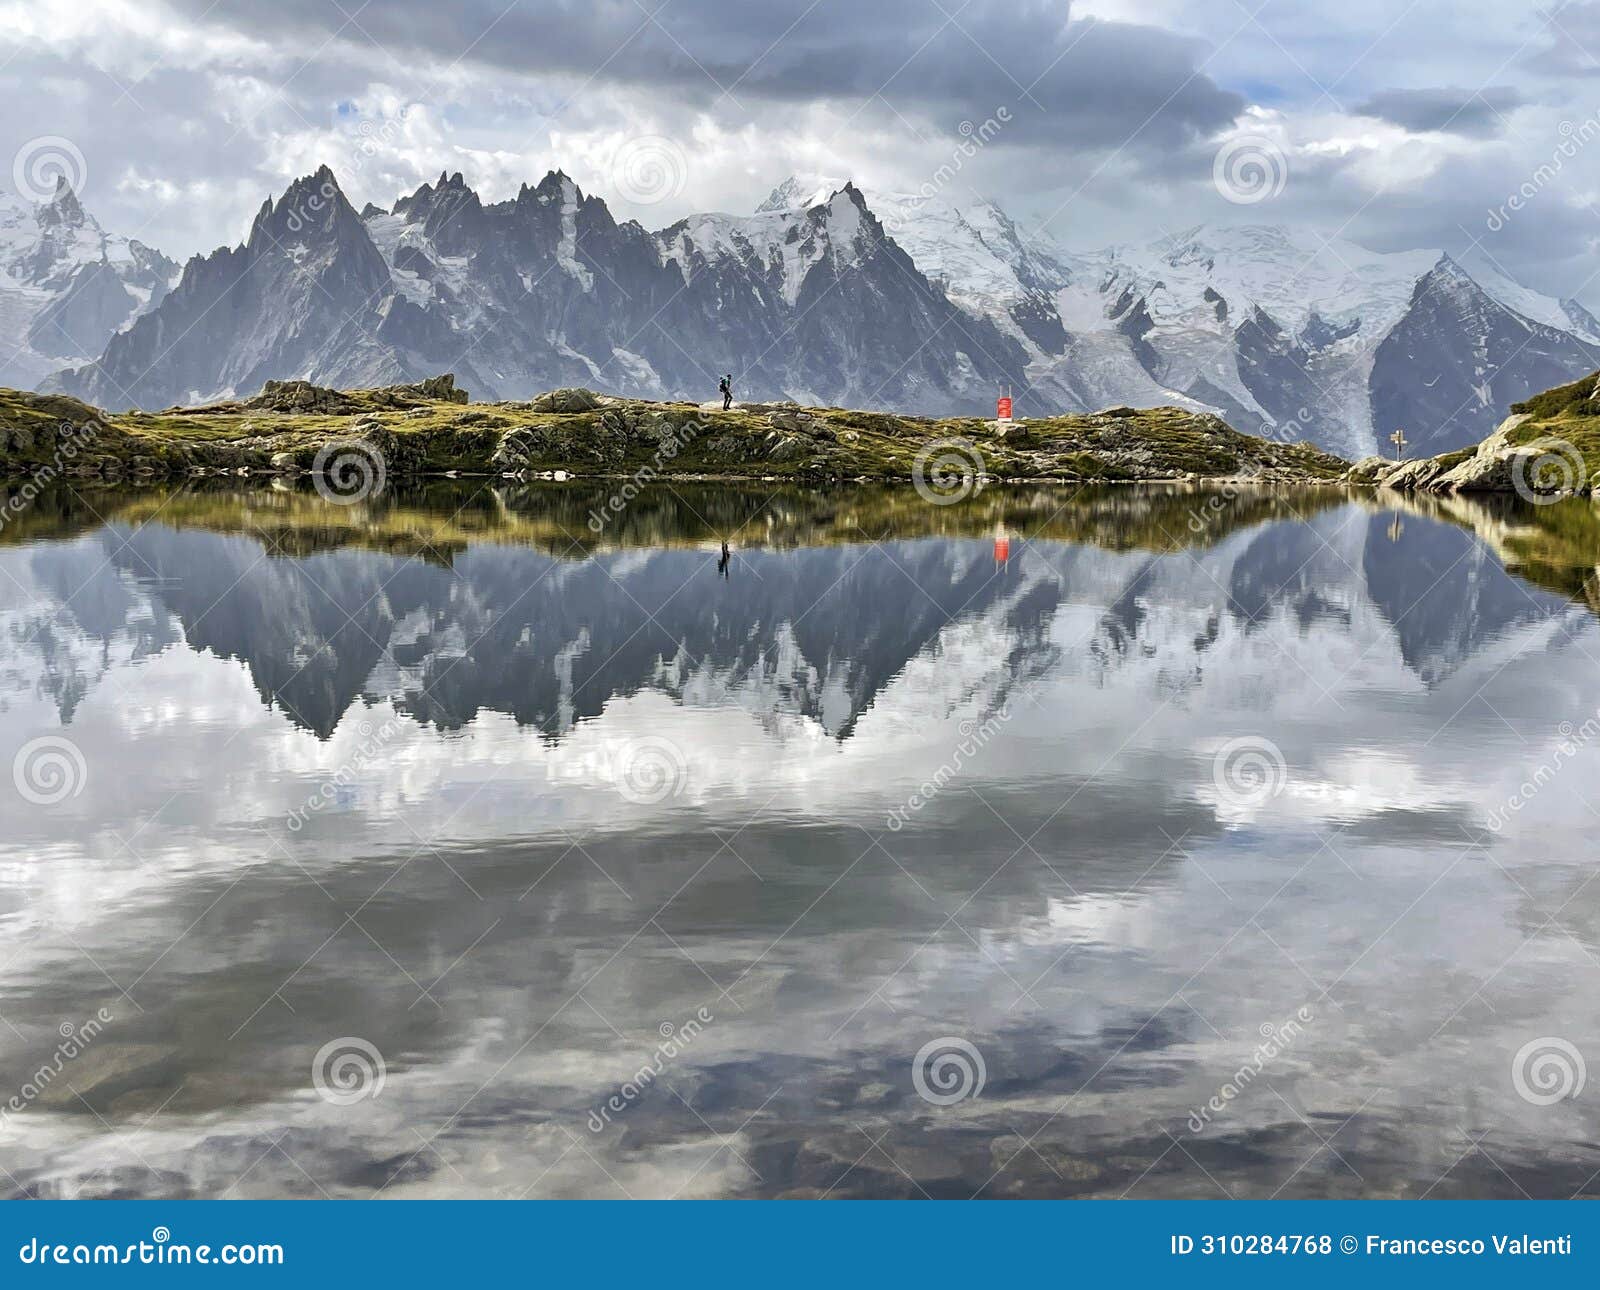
480 842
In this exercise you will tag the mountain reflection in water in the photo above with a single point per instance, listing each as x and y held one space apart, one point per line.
528 811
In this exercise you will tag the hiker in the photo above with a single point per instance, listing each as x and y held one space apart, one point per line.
725 388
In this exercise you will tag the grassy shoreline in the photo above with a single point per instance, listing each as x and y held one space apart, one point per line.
426 430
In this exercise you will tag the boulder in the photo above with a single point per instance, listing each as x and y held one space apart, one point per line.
573 399
1409 476
511 453
1546 465
301 396
788 447
1483 473
794 421
1369 470
442 388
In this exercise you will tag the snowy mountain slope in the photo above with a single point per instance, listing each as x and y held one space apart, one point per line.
1290 334
1024 285
1563 315
548 289
1280 331
825 294
66 285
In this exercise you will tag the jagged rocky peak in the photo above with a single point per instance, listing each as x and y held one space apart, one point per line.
63 208
800 192
310 208
429 197
66 285
555 185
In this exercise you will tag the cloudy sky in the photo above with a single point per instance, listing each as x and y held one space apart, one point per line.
1398 123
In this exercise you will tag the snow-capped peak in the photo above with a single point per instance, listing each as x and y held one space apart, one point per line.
788 239
1564 315
1214 276
64 282
963 242
800 192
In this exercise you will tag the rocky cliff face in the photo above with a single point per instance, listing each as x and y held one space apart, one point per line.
1291 336
1458 358
547 289
828 295
307 294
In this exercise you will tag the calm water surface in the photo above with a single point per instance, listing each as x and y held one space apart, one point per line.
1186 831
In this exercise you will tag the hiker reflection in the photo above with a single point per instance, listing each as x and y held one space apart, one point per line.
727 557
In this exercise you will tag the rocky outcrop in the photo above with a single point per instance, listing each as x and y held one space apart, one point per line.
419 429
568 400
1408 476
1524 455
304 397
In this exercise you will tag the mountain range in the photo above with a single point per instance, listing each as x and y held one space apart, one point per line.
66 286
826 295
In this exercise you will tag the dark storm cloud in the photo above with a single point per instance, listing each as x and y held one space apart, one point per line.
1476 113
1080 83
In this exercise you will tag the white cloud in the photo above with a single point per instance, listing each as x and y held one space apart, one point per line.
191 114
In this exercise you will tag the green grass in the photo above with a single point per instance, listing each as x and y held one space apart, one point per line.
1564 400
432 436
